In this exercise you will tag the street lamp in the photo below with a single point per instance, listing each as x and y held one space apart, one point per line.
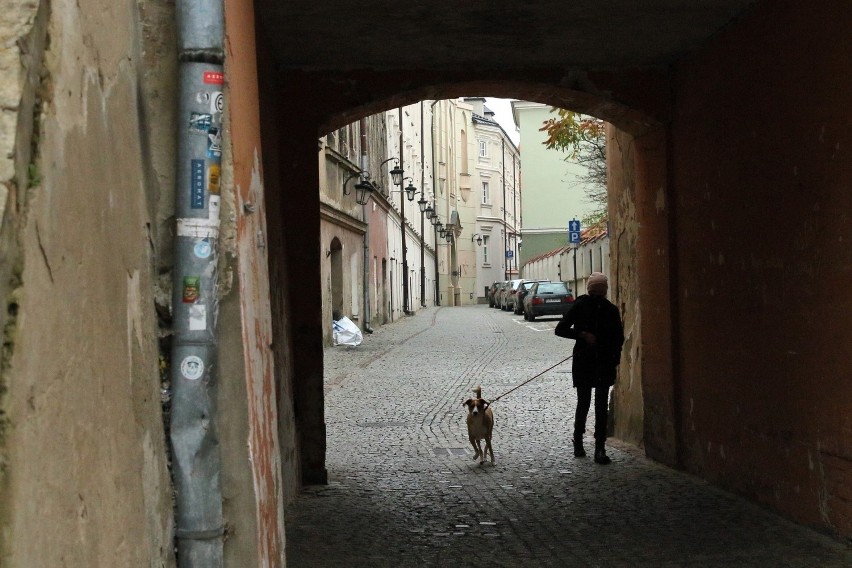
422 203
363 188
410 191
396 174
476 237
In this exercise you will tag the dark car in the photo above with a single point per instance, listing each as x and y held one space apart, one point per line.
522 292
492 292
548 299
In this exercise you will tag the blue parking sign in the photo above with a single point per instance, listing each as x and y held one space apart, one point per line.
574 237
574 226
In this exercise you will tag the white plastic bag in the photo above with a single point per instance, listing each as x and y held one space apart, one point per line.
344 332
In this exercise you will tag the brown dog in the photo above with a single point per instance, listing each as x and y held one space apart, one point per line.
480 425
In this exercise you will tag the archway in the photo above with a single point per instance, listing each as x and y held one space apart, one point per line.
675 147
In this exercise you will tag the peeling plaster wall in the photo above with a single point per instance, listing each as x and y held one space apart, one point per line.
762 171
627 413
83 455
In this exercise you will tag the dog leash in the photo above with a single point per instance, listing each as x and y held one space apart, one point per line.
528 380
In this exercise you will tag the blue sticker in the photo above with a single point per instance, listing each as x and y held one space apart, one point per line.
200 122
203 249
197 184
214 145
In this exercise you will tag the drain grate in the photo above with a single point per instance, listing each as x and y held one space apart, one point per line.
387 424
450 451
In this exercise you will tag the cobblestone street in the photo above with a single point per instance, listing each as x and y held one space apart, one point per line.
405 491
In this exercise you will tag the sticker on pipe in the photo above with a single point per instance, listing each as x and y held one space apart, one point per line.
196 197
213 209
192 367
213 177
200 122
191 289
214 144
214 77
197 317
203 248
217 103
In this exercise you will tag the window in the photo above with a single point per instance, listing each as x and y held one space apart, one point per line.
483 149
486 192
484 249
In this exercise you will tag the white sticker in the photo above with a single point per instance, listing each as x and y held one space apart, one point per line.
202 97
192 367
217 103
203 248
197 318
199 228
213 208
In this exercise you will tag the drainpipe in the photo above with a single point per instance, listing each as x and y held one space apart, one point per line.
193 431
405 310
516 250
364 213
423 195
435 192
505 227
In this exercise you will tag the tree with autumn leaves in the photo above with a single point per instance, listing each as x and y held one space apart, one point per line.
584 139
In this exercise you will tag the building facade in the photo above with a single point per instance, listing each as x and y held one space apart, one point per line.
553 189
497 189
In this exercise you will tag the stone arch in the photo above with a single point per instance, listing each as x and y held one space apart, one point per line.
637 108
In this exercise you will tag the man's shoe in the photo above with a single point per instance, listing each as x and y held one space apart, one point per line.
579 451
601 457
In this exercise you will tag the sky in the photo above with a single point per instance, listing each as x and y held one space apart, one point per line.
503 114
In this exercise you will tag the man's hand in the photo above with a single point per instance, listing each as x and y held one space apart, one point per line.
588 337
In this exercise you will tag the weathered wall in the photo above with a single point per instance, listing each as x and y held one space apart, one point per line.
254 489
292 217
85 480
762 170
644 396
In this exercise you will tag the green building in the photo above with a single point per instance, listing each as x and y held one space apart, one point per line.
552 187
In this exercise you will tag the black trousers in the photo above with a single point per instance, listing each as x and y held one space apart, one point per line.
584 402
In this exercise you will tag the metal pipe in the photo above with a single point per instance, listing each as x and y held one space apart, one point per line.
422 196
516 252
364 215
402 224
434 188
196 462
505 227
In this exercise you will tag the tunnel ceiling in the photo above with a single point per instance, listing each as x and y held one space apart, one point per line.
438 34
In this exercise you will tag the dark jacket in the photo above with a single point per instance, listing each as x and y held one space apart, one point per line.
593 366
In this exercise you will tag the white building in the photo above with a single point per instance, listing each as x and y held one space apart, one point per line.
497 190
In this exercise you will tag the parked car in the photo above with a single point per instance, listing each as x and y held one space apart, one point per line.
548 299
509 294
492 291
499 294
523 290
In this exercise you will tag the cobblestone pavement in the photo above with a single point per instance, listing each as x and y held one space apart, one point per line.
404 491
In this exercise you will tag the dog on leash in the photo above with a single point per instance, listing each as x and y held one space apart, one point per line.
480 425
